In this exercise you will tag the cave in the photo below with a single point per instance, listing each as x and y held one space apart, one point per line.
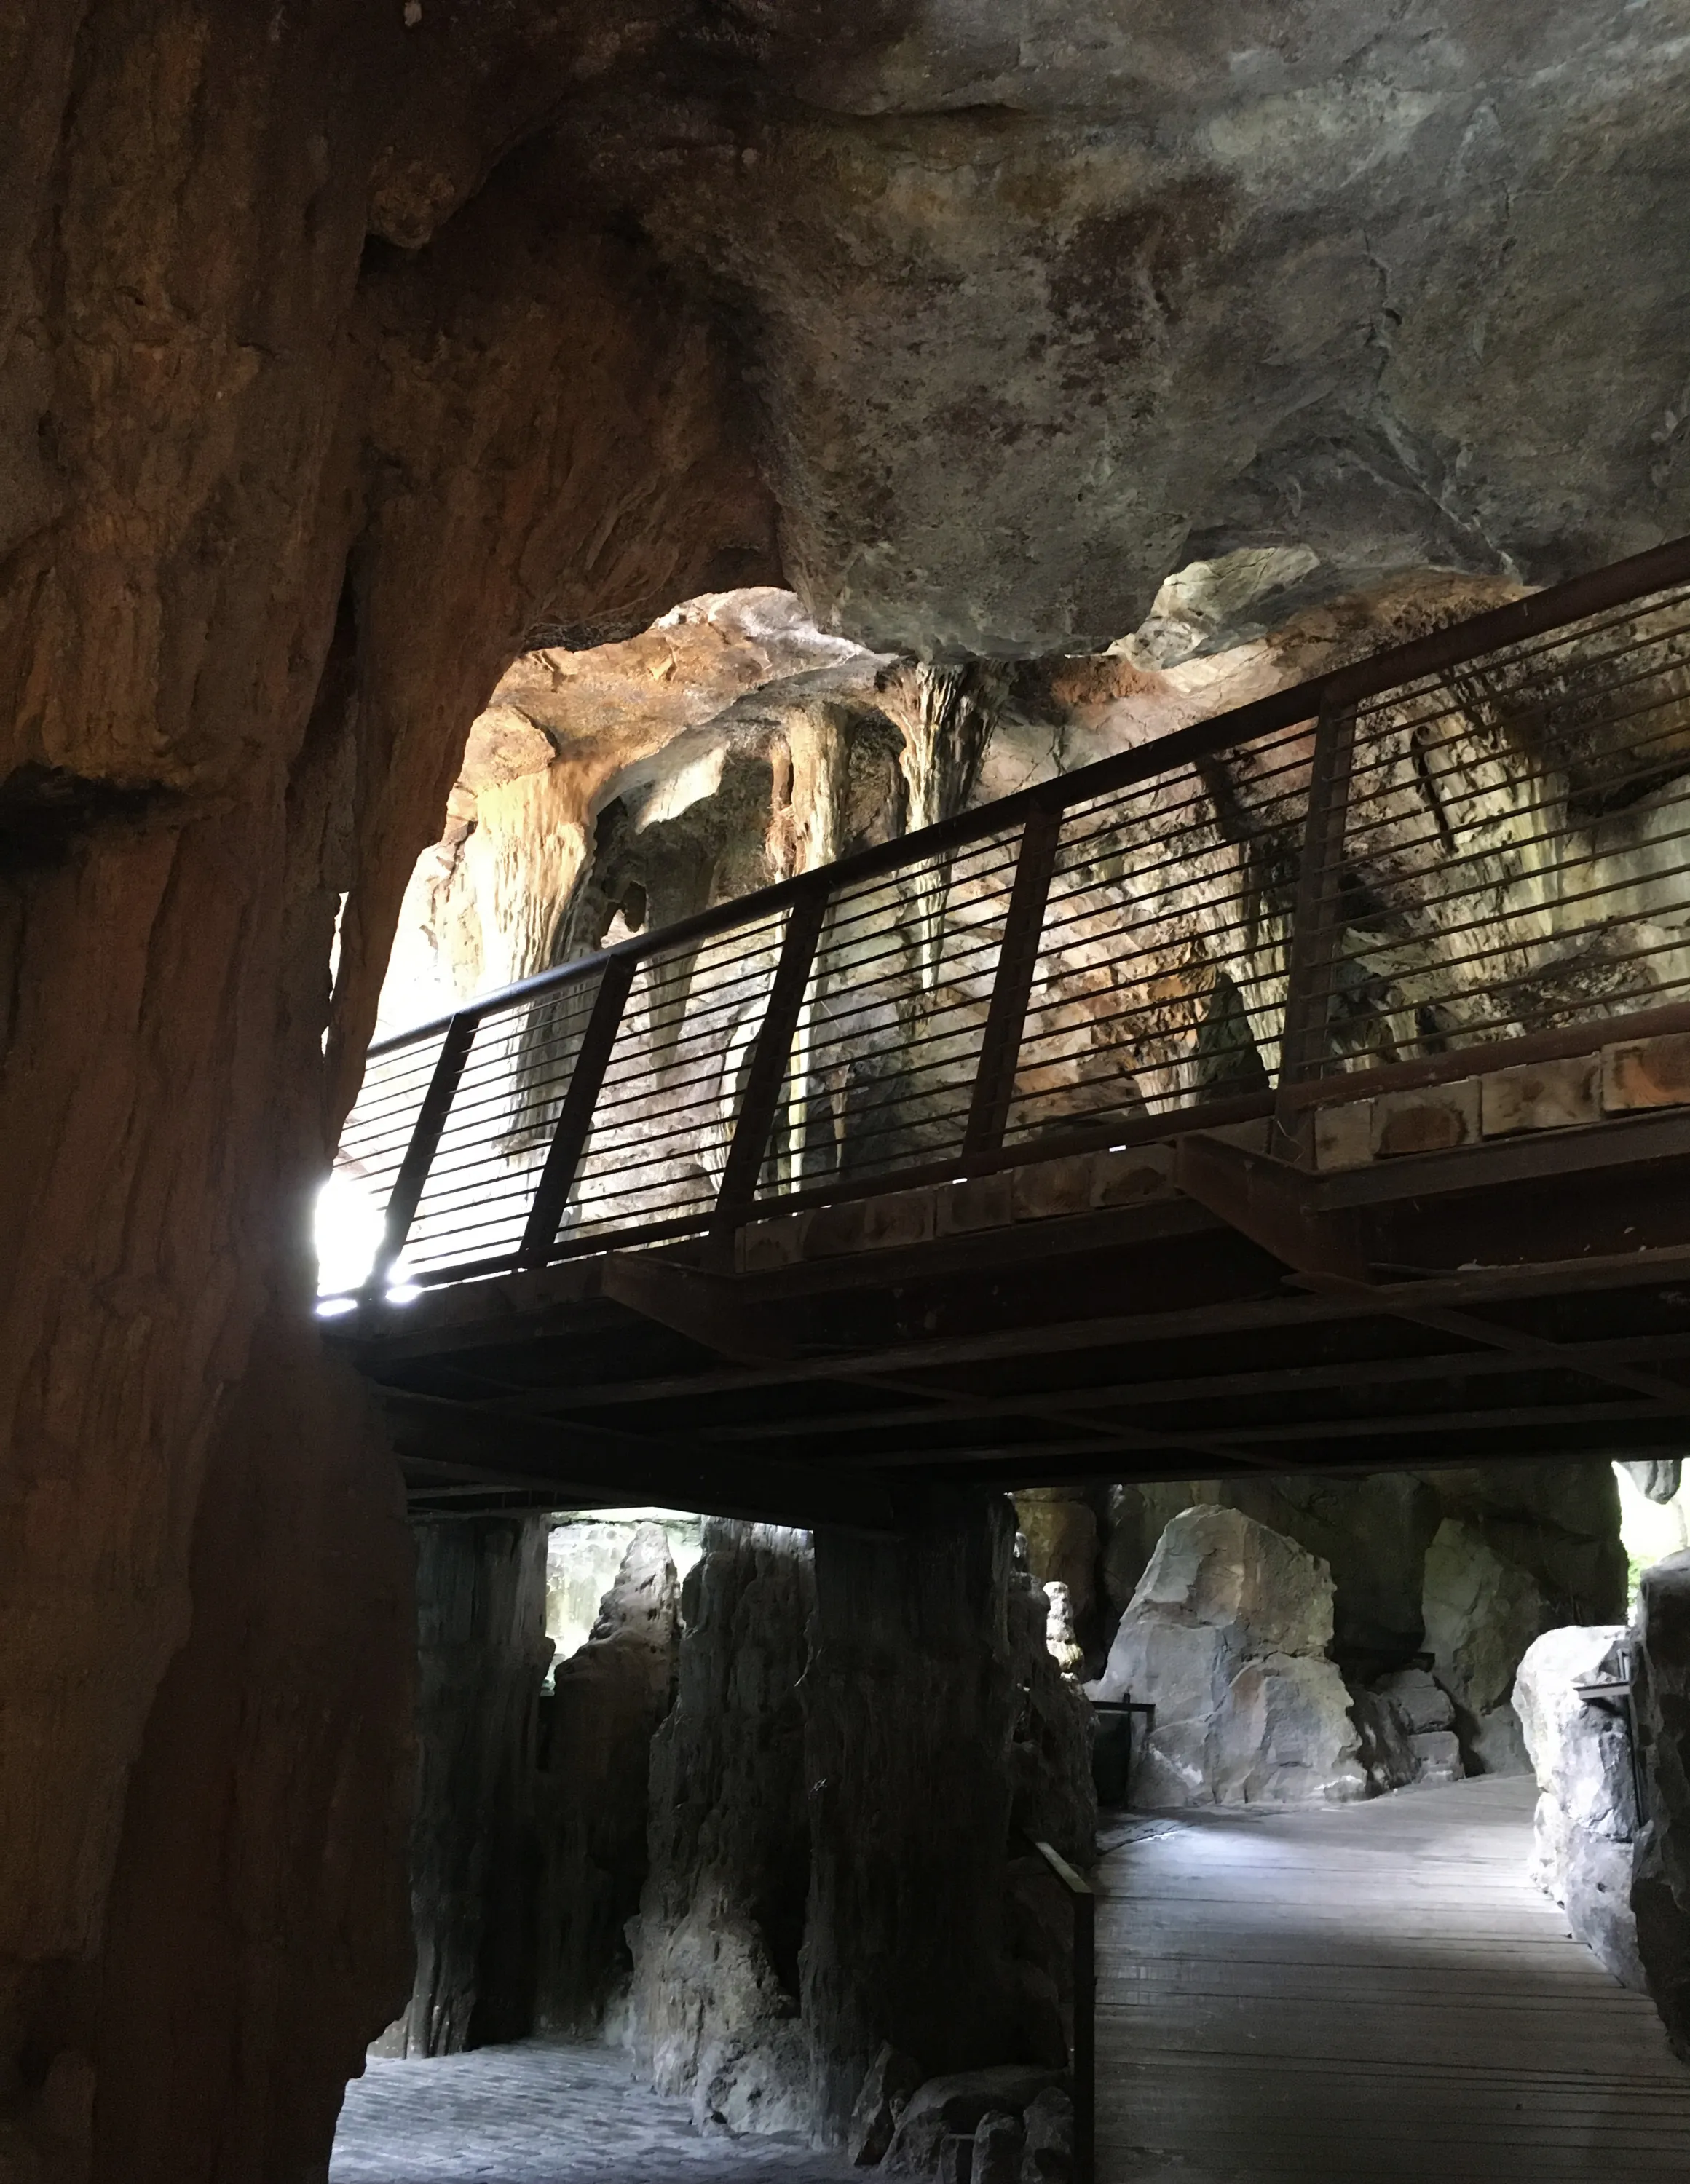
846 991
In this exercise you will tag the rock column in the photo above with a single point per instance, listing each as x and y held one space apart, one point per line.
910 1709
483 1648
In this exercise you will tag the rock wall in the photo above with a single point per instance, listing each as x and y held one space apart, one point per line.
1227 1637
1660 1882
716 1950
276 508
475 1849
862 1731
1459 1570
594 1795
1586 1818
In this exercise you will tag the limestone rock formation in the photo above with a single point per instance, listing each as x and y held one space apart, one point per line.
584 1555
1661 1883
1406 1722
1242 280
1481 1613
1470 1565
1061 1533
1226 1636
276 509
1586 1818
481 1644
592 1801
715 2002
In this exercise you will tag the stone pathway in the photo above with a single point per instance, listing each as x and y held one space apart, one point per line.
1372 1993
542 2115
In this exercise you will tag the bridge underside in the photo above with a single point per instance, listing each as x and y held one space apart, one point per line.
1196 1307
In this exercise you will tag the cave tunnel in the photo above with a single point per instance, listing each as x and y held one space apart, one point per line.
845 1082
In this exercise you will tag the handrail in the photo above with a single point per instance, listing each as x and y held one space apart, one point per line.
1083 1898
1242 919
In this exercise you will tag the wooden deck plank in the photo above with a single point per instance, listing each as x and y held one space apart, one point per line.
1370 1993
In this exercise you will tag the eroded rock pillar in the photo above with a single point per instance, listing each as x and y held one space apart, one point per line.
911 1701
483 1650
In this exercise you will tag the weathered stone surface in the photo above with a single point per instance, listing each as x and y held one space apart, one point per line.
891 2078
1660 1884
1128 281
715 1947
481 1644
584 1555
1481 1613
998 2141
922 1647
1587 1814
1372 1533
1047 2157
1061 1544
1420 1698
918 2144
213 404
592 1799
1226 1636
1437 1757
1061 1641
963 2099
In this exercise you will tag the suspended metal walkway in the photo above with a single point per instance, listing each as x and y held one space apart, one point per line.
1308 1088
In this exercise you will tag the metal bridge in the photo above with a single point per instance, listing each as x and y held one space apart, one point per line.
1308 1090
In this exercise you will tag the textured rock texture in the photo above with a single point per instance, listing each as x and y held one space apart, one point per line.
584 1555
276 509
819 1928
1462 1569
593 1800
1227 1637
1661 1883
716 1950
1586 1819
475 1850
1156 288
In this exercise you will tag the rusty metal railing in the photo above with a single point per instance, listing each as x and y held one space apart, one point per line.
1479 842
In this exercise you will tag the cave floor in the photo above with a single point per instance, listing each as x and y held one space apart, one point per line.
1373 1993
537 2114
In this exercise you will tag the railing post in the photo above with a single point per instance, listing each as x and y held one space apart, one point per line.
575 1119
406 1194
771 1051
1013 986
1305 1042
1084 1902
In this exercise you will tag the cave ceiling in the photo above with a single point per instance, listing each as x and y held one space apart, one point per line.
1038 300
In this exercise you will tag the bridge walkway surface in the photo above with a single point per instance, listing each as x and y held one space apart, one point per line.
1373 1994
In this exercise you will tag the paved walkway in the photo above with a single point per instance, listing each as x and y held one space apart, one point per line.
539 2114
1368 1992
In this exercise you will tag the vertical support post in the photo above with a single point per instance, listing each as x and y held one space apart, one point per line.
1084 1906
771 1051
1304 1043
1085 2038
575 1120
1012 987
406 1194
